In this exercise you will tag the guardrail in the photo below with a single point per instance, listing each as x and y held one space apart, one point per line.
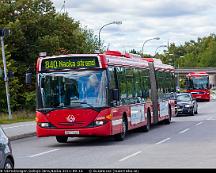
209 70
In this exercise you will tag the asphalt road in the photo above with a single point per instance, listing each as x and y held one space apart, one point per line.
188 142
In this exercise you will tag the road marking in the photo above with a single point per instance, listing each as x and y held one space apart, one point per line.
199 123
132 155
210 118
162 141
11 127
183 131
46 152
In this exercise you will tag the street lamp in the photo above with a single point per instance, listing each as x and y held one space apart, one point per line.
156 38
159 47
4 32
114 22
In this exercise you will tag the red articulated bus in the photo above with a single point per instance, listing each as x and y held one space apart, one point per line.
197 83
101 94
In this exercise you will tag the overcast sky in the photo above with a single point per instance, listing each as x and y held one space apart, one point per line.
175 21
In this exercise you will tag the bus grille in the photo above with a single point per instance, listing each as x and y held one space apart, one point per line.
72 124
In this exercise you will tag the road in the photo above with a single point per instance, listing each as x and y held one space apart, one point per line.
188 142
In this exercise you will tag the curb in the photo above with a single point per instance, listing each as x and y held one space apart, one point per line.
26 135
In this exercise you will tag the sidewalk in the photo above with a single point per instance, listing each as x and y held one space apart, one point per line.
19 130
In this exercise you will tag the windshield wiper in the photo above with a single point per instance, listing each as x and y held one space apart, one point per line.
79 102
46 110
91 106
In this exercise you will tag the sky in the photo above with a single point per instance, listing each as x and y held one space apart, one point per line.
173 21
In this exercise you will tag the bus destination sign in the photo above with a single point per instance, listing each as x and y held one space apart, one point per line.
69 63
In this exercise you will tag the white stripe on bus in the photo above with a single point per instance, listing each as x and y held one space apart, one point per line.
116 122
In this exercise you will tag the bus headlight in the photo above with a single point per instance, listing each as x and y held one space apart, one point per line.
101 120
99 123
46 125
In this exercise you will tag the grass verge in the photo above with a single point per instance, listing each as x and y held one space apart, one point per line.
20 116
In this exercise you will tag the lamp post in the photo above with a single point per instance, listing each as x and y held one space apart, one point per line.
4 32
156 38
176 61
159 47
114 22
178 83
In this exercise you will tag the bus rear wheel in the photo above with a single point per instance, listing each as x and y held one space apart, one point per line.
61 139
147 127
168 120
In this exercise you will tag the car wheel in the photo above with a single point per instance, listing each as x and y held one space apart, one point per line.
62 139
196 112
8 164
192 112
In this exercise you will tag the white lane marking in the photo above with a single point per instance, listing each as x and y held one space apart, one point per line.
210 118
132 155
11 127
162 141
183 131
46 152
199 123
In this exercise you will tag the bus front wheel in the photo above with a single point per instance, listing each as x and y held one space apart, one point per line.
62 139
121 136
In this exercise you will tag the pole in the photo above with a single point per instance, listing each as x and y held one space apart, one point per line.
99 35
156 38
6 79
159 47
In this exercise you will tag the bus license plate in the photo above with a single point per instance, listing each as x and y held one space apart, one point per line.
72 133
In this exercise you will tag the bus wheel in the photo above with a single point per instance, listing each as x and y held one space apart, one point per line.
8 164
168 120
147 127
62 139
121 136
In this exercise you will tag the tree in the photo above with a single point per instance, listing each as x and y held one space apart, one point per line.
36 27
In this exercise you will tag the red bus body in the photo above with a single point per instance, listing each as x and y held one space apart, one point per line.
106 121
198 85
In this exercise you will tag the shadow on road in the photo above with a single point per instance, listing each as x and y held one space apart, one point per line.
134 137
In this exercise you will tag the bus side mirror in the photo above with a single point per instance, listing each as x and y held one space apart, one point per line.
28 78
210 86
115 94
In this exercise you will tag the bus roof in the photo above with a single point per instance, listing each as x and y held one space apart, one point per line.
115 58
197 74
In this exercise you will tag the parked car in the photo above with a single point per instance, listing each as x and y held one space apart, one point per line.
6 156
186 104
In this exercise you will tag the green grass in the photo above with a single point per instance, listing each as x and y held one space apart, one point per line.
20 116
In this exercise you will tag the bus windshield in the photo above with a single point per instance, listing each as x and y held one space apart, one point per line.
199 82
85 88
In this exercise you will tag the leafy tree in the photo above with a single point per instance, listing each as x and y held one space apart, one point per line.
15 86
36 27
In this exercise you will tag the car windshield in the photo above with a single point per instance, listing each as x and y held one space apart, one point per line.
85 88
184 98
